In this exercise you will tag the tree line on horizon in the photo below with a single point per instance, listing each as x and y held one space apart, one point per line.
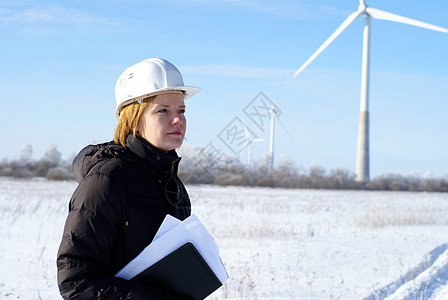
200 168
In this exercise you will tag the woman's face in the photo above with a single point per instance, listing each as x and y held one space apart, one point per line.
163 123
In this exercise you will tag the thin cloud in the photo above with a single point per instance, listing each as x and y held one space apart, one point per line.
36 31
236 71
37 22
288 9
51 15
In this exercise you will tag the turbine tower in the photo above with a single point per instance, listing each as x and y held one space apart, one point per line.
362 158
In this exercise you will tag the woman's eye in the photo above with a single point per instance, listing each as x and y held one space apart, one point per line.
163 110
182 111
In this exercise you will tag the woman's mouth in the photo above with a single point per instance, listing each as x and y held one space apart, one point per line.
175 132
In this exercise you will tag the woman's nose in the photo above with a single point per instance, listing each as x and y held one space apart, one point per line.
178 120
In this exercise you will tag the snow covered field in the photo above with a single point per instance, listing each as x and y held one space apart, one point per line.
276 244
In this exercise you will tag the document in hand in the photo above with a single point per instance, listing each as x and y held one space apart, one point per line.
183 257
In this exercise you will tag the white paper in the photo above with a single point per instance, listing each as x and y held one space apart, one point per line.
168 223
172 234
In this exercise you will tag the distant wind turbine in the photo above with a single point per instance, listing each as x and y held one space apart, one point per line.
362 159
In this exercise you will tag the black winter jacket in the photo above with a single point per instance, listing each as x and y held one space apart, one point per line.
122 198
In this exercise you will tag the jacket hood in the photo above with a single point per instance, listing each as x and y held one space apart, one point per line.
90 156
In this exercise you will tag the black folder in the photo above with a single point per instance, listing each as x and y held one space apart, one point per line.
183 272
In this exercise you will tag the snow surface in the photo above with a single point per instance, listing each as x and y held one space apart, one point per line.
275 243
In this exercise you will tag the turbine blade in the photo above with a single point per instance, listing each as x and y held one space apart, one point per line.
384 15
284 128
350 19
245 129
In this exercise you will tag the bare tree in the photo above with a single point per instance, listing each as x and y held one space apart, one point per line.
26 153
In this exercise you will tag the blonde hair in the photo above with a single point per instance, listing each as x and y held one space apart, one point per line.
128 121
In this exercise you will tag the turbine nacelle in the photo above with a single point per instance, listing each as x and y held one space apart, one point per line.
362 6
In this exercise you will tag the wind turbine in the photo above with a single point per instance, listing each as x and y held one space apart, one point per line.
362 159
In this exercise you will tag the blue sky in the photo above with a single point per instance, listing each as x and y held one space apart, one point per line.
60 61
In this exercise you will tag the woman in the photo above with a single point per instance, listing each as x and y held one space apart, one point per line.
126 187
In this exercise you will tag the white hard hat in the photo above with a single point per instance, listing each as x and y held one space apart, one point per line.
149 78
